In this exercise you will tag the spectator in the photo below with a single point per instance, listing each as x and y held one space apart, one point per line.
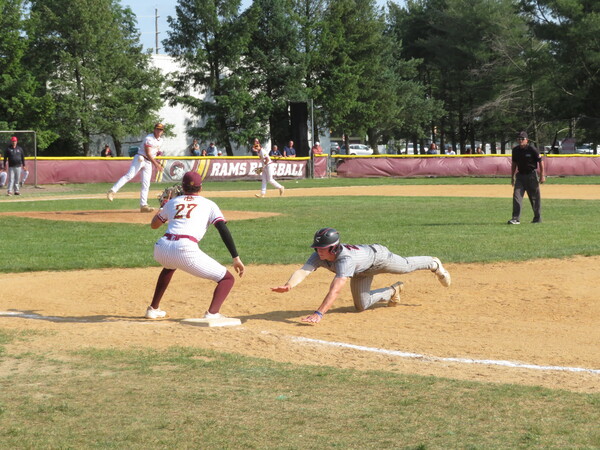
433 150
212 150
478 150
317 149
289 151
275 151
194 148
450 150
106 152
14 159
3 176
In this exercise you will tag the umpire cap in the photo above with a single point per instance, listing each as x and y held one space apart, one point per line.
326 237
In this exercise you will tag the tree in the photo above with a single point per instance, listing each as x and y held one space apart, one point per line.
87 53
208 38
570 30
274 64
23 103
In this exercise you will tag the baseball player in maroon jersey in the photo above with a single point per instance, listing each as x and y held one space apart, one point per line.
360 263
189 216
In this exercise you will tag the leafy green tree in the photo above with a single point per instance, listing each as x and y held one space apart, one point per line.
209 38
23 104
274 63
570 30
87 52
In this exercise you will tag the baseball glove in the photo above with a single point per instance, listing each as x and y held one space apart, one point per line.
258 170
169 193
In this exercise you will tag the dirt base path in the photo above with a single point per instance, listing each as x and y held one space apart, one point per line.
481 328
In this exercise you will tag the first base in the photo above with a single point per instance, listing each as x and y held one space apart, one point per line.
222 322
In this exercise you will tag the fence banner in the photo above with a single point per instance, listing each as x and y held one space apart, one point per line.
44 170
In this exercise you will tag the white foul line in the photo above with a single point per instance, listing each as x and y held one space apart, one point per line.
489 362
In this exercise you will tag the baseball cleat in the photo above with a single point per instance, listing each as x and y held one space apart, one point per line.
208 315
398 288
281 190
513 222
259 195
110 195
442 274
146 208
152 313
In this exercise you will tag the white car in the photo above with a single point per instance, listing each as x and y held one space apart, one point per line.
360 149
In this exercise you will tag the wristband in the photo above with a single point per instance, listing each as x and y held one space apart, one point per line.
318 313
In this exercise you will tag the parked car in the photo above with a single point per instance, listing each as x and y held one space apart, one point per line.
334 148
360 149
585 149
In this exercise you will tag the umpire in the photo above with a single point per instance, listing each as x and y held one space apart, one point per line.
524 177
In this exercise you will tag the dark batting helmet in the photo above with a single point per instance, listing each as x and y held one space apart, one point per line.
326 237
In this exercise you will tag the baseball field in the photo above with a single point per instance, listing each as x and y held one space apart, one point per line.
508 356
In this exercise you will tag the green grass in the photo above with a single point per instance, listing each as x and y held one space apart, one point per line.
194 398
455 229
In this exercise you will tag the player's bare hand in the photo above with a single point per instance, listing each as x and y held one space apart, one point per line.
284 288
238 265
313 318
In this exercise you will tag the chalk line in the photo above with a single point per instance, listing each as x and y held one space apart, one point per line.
488 362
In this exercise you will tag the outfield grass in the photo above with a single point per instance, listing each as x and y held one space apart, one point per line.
194 398
454 228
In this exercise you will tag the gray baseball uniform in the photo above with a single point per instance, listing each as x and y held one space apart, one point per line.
362 263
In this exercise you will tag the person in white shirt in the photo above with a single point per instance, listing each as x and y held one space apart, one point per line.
189 215
144 160
267 174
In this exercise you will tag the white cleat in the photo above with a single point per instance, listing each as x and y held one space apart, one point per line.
146 208
259 195
442 274
208 315
152 313
281 190
398 288
110 195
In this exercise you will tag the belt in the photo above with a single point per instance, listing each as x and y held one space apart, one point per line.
176 237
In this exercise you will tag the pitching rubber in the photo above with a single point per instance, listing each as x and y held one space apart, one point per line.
221 322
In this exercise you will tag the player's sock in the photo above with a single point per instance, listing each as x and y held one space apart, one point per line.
161 286
221 292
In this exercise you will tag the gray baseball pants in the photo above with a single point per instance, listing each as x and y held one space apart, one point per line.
527 182
14 177
385 262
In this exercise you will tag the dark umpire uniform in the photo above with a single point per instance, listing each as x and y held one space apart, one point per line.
524 177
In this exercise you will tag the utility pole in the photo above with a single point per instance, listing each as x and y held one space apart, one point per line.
156 16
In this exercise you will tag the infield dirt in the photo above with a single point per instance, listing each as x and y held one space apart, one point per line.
482 316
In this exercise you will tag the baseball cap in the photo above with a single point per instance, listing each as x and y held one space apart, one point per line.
523 134
14 139
191 179
159 126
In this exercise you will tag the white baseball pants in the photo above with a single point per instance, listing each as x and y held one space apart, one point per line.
267 177
138 163
186 255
